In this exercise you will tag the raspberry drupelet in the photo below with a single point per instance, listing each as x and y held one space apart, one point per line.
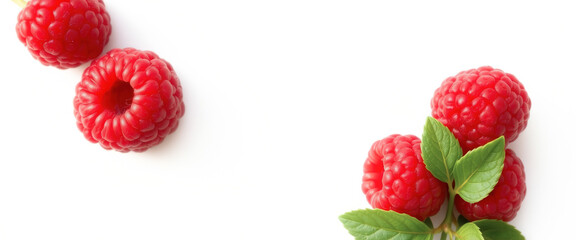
395 178
128 100
64 33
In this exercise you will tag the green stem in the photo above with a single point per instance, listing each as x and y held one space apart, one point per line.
446 225
449 214
20 3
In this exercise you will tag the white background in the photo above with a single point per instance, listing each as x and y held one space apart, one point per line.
283 101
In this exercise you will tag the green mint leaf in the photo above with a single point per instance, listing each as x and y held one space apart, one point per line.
477 172
498 230
440 149
377 224
469 231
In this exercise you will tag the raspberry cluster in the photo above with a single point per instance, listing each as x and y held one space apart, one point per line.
477 106
127 100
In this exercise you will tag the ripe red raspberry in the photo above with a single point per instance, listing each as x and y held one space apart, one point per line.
480 105
64 33
395 178
504 201
128 100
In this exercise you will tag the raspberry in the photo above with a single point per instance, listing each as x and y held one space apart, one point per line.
64 33
480 105
395 178
128 100
504 201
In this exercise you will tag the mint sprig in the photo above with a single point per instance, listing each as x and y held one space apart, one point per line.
471 176
379 224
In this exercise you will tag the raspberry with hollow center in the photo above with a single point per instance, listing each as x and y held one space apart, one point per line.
64 33
480 105
128 100
504 202
119 97
395 178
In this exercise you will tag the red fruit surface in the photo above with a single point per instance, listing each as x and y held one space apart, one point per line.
505 200
64 33
395 178
128 100
480 105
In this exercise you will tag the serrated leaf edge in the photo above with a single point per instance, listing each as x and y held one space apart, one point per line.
465 227
459 187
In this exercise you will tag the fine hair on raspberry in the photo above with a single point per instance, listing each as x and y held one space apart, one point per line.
395 178
64 33
480 105
128 100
